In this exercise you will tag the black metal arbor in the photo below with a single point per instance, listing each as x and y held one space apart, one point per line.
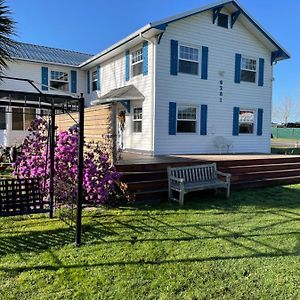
17 190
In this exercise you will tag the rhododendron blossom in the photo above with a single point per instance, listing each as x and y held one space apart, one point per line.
100 177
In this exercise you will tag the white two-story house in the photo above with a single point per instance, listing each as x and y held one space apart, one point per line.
184 83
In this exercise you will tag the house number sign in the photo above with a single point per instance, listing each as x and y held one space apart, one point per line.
221 90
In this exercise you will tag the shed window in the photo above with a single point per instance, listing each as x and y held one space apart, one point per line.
29 116
246 121
94 80
17 119
186 119
223 20
188 60
59 80
44 112
248 69
137 62
137 119
22 118
2 118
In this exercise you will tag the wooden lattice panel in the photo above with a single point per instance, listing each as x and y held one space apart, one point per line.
21 197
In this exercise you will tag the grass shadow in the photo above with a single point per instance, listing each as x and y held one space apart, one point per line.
278 197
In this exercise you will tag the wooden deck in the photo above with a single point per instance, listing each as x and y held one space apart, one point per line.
135 158
146 176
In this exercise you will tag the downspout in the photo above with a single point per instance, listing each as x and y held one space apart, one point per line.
153 87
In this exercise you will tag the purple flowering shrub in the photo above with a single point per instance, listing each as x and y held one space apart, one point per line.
101 181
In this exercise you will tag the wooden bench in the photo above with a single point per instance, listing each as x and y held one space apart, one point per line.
196 178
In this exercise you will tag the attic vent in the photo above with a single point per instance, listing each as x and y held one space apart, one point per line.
223 20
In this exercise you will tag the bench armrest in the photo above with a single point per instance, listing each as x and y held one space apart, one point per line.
227 175
180 180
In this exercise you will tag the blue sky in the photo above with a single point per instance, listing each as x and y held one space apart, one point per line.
92 25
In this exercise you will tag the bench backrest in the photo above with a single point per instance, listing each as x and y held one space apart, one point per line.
205 172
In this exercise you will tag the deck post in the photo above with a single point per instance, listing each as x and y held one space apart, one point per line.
52 157
80 171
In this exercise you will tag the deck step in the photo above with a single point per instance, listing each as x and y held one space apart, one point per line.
155 166
147 185
159 195
267 161
267 182
248 176
149 181
261 167
143 176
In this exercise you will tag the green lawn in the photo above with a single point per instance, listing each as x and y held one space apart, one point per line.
247 247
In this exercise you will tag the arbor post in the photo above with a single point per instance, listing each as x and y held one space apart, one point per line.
80 172
52 157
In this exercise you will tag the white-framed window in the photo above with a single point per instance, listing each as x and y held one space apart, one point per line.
223 20
44 113
59 80
2 118
137 62
22 117
188 60
246 121
137 119
248 69
94 80
186 119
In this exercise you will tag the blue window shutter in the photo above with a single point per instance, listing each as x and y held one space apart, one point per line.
145 58
174 57
98 78
88 82
204 63
203 120
236 121
127 65
172 118
237 75
260 113
261 72
73 81
44 78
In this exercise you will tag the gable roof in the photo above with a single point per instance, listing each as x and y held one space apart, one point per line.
161 25
36 53
120 94
238 7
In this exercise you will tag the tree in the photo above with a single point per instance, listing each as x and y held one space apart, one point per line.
7 30
285 111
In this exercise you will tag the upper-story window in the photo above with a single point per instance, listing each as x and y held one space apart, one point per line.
137 62
188 60
246 121
223 20
94 80
186 119
59 80
248 69
137 119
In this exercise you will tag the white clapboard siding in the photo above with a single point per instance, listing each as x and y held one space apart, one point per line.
31 70
112 76
199 31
